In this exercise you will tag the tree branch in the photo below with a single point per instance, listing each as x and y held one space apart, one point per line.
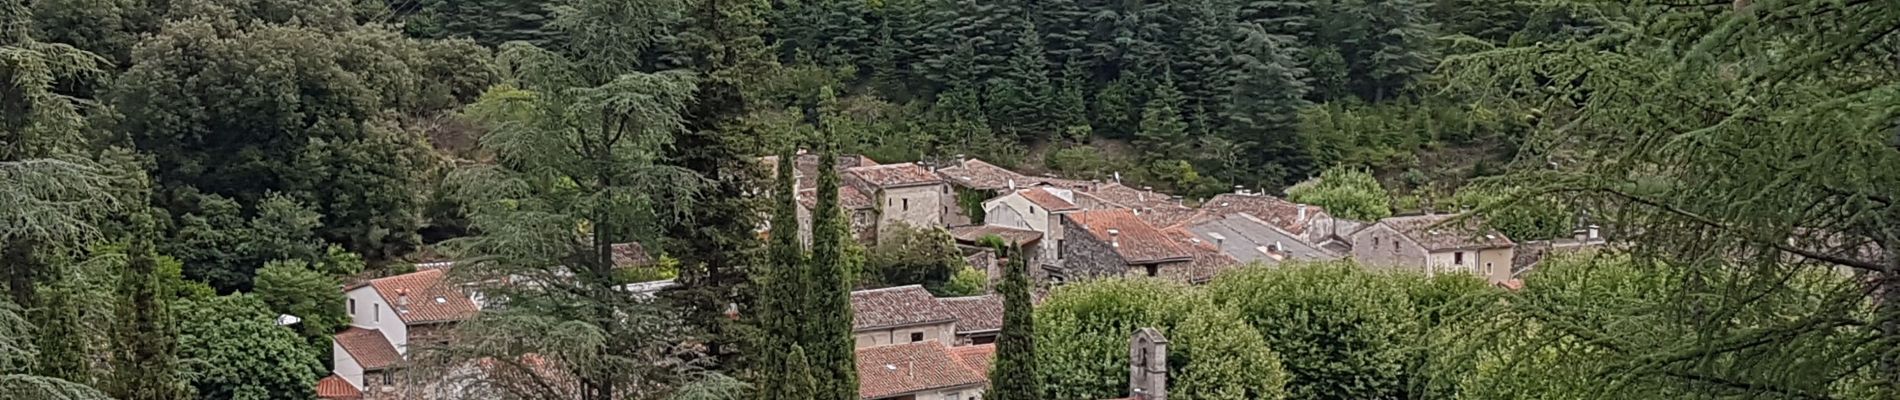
1784 247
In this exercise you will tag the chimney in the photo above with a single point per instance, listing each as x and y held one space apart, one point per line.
1118 177
1148 365
1593 232
1581 234
1012 185
1114 237
1143 194
402 300
1238 189
1278 248
1302 213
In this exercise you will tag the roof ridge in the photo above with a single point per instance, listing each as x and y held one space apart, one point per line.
886 289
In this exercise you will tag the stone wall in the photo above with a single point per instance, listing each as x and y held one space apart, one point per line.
1085 257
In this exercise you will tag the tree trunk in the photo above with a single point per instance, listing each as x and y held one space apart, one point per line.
19 265
1886 292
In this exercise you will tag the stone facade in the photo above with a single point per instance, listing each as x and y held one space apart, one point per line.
943 332
1380 246
1084 257
919 206
1148 365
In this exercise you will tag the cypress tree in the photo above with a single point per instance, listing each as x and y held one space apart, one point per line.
145 363
1014 375
781 293
828 301
799 381
1264 110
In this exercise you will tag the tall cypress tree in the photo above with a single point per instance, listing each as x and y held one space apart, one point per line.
828 301
781 286
1264 109
1015 377
145 363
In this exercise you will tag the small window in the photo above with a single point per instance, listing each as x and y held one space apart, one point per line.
1458 258
906 204
1395 246
389 378
352 306
1487 269
1154 270
1375 241
378 309
916 337
953 395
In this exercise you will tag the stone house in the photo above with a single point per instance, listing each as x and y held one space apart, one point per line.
903 314
1115 242
903 194
1250 239
1435 243
1037 209
979 318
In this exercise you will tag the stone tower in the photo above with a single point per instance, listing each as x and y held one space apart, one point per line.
1148 365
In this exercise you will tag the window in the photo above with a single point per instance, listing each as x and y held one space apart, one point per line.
1032 210
1153 270
352 306
916 337
389 378
906 204
1458 258
953 395
1487 269
378 309
1395 246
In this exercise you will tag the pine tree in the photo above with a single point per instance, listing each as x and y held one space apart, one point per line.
828 299
717 248
145 364
1164 135
1019 103
1297 20
948 56
1204 56
1064 25
1389 48
992 27
1264 109
1118 106
1014 375
1069 108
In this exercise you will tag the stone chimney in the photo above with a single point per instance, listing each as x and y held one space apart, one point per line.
1148 365
402 300
1114 237
1593 233
1118 177
1302 213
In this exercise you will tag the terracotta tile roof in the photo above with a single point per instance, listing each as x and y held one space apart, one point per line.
894 175
369 347
1208 260
334 387
976 357
1134 239
431 298
974 233
893 370
1128 197
1467 233
977 174
1279 212
848 197
976 313
896 306
1048 199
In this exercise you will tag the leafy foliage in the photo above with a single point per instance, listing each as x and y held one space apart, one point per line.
1345 192
237 351
1082 334
913 256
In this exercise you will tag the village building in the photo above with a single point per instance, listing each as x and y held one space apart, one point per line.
897 315
905 195
389 317
1251 240
1435 244
1115 242
926 370
979 318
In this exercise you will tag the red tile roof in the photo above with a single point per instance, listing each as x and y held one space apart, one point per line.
893 370
974 233
806 167
1437 232
1273 210
1047 198
977 357
976 313
1135 240
896 306
369 347
894 175
334 387
431 298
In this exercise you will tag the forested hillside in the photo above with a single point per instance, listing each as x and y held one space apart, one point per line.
186 184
